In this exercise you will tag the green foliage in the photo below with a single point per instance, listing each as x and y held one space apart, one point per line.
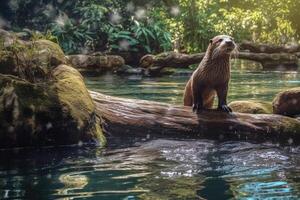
267 21
117 37
114 25
72 38
47 36
140 36
152 36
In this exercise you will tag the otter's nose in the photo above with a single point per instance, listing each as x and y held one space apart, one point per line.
229 43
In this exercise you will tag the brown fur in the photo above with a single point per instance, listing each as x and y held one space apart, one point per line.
211 77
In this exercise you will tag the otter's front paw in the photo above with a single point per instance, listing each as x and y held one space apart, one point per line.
225 108
197 108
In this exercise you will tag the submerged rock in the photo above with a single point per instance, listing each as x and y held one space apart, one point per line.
252 107
126 69
287 102
43 101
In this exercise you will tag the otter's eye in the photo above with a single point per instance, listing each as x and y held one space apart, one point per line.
220 40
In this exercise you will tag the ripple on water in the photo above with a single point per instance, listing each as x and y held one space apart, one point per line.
158 169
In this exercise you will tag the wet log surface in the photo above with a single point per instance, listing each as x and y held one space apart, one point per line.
130 117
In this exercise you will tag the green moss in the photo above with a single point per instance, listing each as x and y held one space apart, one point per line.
73 94
32 61
51 51
99 133
253 107
57 112
23 105
290 125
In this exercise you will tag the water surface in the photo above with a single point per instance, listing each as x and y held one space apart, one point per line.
245 84
158 169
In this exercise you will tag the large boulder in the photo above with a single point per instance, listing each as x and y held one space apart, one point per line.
287 102
42 100
53 113
252 107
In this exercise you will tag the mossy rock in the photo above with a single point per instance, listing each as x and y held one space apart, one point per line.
50 51
251 107
287 102
42 100
56 112
76 100
32 60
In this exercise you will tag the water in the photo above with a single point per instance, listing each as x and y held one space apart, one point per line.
160 169
244 85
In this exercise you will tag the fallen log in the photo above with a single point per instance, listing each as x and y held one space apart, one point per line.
96 62
271 61
171 59
268 48
154 63
125 117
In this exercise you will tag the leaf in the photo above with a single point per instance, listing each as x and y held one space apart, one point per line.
134 49
114 46
136 23
146 37
150 33
148 49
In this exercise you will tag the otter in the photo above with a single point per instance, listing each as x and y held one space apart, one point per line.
211 77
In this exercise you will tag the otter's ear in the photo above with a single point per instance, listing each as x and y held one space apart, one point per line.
210 41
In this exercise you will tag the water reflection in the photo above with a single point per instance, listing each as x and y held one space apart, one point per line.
72 182
158 169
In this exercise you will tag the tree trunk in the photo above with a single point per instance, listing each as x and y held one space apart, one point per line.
125 117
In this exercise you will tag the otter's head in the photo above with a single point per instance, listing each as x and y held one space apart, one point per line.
222 45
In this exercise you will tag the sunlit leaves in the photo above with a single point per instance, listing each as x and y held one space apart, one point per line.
256 20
